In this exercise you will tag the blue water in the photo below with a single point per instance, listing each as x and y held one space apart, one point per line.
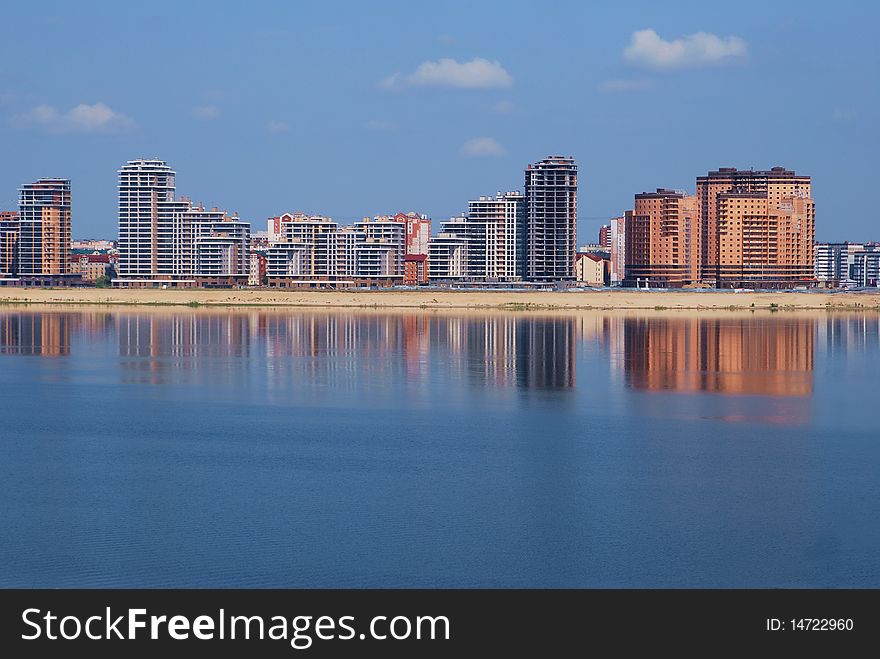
352 449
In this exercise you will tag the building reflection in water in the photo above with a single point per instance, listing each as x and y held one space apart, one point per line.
763 366
379 350
37 334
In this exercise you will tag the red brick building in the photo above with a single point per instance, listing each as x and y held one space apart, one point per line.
415 269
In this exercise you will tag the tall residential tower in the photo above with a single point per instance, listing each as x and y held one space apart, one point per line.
757 228
44 221
551 219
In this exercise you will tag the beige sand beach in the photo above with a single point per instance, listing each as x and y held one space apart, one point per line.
436 299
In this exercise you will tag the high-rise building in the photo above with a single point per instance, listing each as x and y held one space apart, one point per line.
496 226
551 219
380 254
448 252
605 236
662 243
146 207
172 242
44 238
9 228
418 231
618 250
757 228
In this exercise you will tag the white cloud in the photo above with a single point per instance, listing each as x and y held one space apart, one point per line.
97 118
277 127
479 73
206 112
503 107
380 125
647 48
481 147
614 86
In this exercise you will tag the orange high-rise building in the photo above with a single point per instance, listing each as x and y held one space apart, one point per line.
9 229
663 239
758 228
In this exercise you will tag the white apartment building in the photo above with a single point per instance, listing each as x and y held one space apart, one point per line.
618 250
833 262
496 230
163 241
448 252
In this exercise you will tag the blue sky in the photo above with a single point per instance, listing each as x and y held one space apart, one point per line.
355 109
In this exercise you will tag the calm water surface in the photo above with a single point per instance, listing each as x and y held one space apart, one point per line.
287 448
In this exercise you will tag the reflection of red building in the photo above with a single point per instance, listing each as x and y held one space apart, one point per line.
415 270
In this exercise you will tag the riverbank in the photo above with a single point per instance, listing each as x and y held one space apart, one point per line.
448 299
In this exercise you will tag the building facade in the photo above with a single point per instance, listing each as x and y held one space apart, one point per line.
758 228
44 228
605 236
257 269
618 250
9 228
551 219
92 266
448 257
663 241
865 269
415 271
833 263
590 269
172 242
496 231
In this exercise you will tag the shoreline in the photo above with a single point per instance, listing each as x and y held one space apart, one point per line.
596 300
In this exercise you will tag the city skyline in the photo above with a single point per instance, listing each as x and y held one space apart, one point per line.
448 118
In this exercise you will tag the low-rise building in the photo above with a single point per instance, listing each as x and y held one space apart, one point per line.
415 269
591 269
93 266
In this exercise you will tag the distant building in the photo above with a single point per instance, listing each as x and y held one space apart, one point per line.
865 269
93 245
92 266
171 242
380 255
605 236
9 228
417 231
44 238
590 269
415 269
833 262
257 269
496 230
618 250
551 219
757 228
662 243
448 258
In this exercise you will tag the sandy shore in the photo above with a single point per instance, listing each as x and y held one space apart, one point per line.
434 299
